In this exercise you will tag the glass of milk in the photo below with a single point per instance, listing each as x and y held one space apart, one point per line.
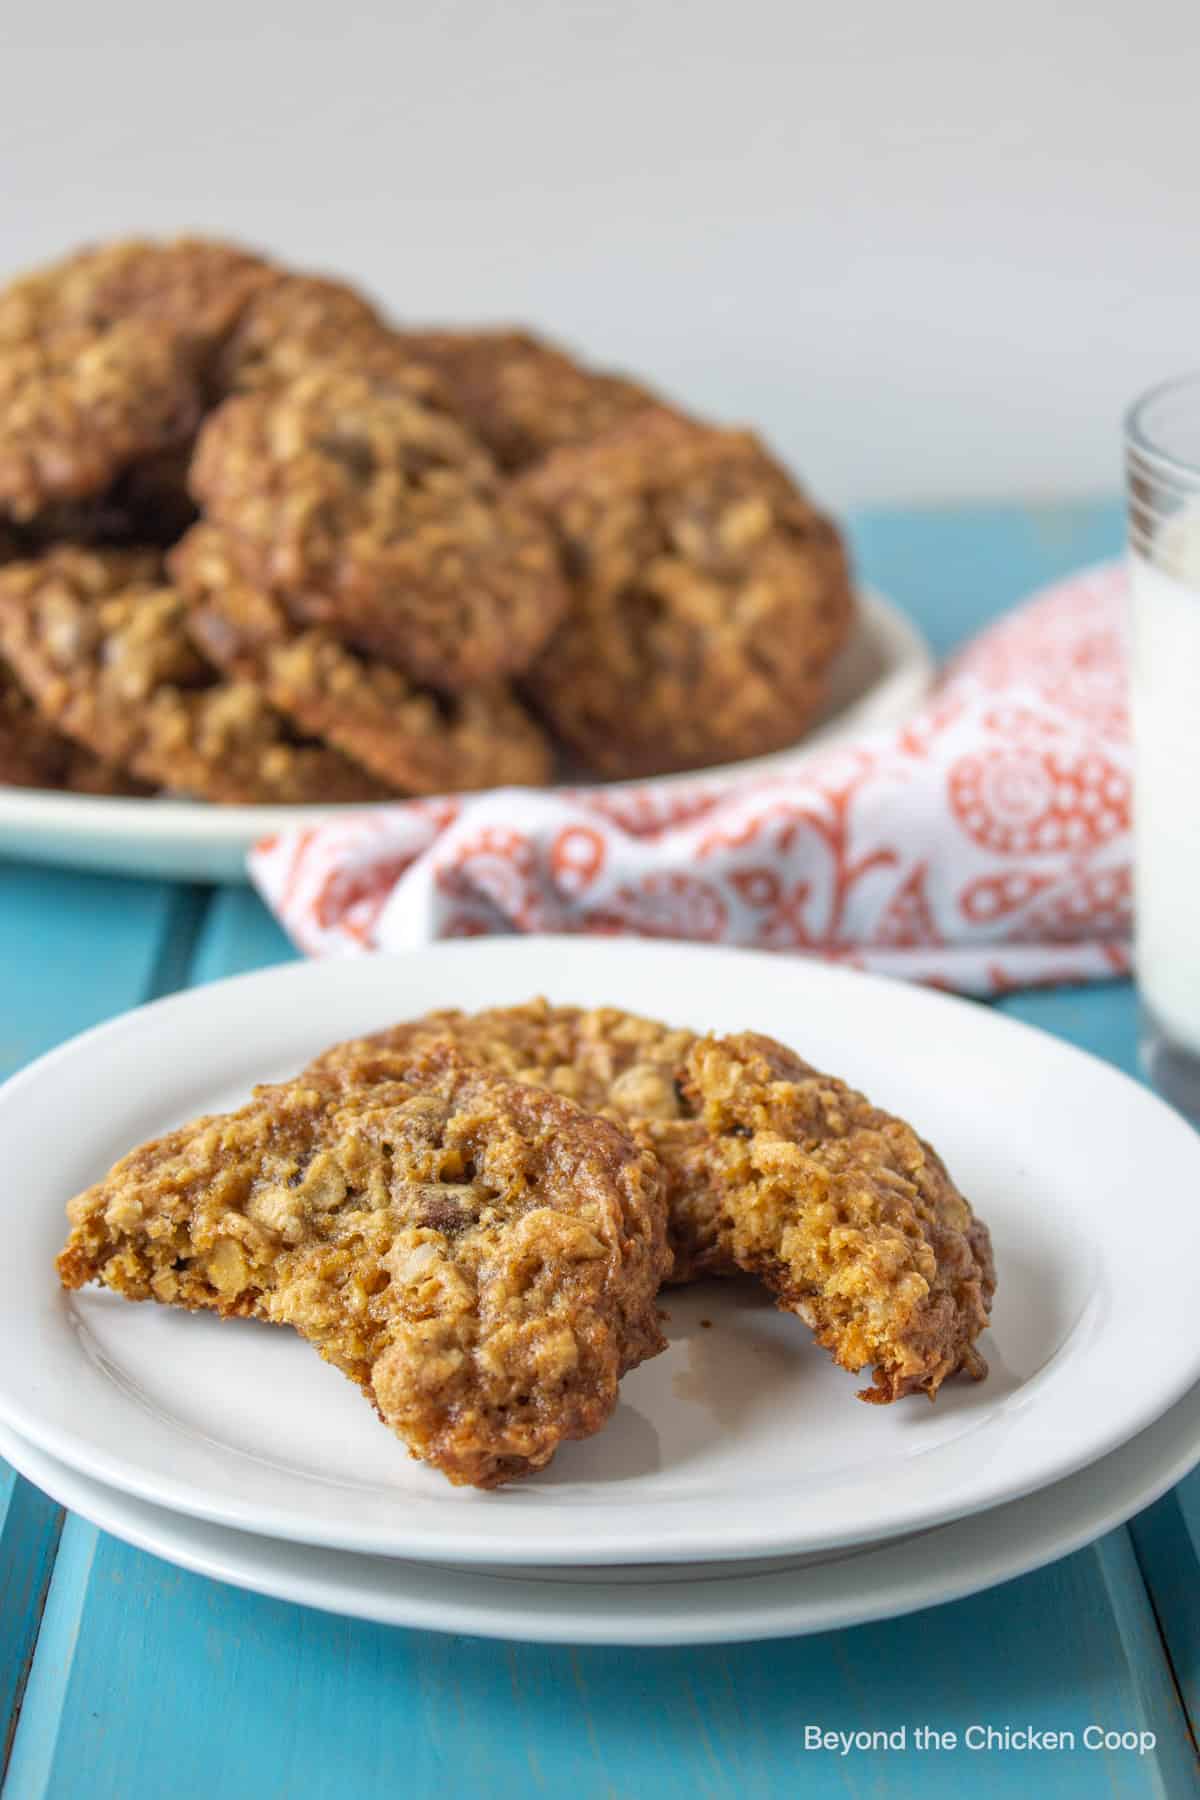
1162 448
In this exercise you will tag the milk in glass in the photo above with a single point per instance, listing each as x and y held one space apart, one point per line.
1166 726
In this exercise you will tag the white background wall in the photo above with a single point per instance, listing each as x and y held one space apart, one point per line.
932 248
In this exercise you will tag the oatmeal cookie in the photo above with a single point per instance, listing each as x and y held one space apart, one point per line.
481 1258
289 325
34 755
769 1167
416 740
371 512
849 1218
100 644
81 404
709 598
523 397
193 288
608 1061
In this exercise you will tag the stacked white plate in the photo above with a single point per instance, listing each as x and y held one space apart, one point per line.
740 1490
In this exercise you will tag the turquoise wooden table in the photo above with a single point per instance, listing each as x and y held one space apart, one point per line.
121 1676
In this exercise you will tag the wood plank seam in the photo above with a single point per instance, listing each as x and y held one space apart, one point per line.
1165 1555
184 919
35 1541
187 912
32 1756
1162 1712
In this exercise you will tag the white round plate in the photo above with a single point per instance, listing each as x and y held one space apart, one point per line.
879 680
698 1605
743 1440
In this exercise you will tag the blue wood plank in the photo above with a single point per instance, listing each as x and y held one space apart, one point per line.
953 568
1167 1540
76 949
1101 1018
155 1682
1163 1705
29 1528
239 935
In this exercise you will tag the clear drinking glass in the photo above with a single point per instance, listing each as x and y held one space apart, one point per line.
1162 451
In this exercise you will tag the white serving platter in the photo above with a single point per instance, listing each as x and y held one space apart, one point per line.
880 679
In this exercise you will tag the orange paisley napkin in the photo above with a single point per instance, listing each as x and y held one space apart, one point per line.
983 846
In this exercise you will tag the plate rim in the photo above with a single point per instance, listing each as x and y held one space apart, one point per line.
184 829
474 1541
993 1547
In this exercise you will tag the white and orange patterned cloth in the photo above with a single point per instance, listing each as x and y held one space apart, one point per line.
984 846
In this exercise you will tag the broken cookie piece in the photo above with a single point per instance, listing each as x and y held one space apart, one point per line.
847 1216
480 1256
770 1168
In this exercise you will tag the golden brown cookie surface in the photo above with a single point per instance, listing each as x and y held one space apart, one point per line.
290 324
481 1258
79 405
34 755
850 1218
606 1060
368 510
769 1167
192 287
709 598
103 368
522 396
99 642
417 741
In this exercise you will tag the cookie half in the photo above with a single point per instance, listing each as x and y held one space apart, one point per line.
480 1257
847 1216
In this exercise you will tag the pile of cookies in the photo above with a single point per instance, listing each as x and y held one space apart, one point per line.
260 544
471 1215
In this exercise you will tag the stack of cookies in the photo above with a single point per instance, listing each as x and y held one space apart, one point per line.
261 545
